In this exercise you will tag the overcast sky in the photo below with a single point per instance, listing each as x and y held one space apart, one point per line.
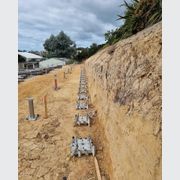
85 21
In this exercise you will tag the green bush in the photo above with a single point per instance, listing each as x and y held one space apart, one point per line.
138 16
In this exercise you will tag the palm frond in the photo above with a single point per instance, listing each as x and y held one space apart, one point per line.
130 7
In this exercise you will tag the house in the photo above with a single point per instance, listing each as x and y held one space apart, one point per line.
52 63
28 60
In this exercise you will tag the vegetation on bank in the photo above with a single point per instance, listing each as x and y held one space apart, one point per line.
139 14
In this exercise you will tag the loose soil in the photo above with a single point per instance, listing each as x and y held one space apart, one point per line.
44 144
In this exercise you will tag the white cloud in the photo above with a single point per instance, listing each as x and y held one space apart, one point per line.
85 21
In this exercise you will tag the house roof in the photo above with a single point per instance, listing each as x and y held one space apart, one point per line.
52 62
29 55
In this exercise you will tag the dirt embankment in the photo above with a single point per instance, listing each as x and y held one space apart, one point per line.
125 87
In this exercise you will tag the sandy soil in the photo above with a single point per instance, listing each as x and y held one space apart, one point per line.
44 145
125 83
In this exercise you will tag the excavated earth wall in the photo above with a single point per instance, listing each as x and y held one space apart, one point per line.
125 86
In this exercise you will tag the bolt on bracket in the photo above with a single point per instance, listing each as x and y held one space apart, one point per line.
82 120
82 146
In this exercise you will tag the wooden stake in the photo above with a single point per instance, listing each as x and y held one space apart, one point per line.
55 82
45 107
97 169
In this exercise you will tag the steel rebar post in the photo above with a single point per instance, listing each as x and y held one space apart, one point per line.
31 115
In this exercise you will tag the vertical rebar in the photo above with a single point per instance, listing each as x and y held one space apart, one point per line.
31 108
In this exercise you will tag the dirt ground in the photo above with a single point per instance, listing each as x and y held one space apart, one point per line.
44 144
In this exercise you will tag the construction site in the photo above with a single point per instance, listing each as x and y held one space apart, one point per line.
99 120
44 151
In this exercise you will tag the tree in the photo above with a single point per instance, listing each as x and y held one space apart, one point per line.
60 46
84 53
93 49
